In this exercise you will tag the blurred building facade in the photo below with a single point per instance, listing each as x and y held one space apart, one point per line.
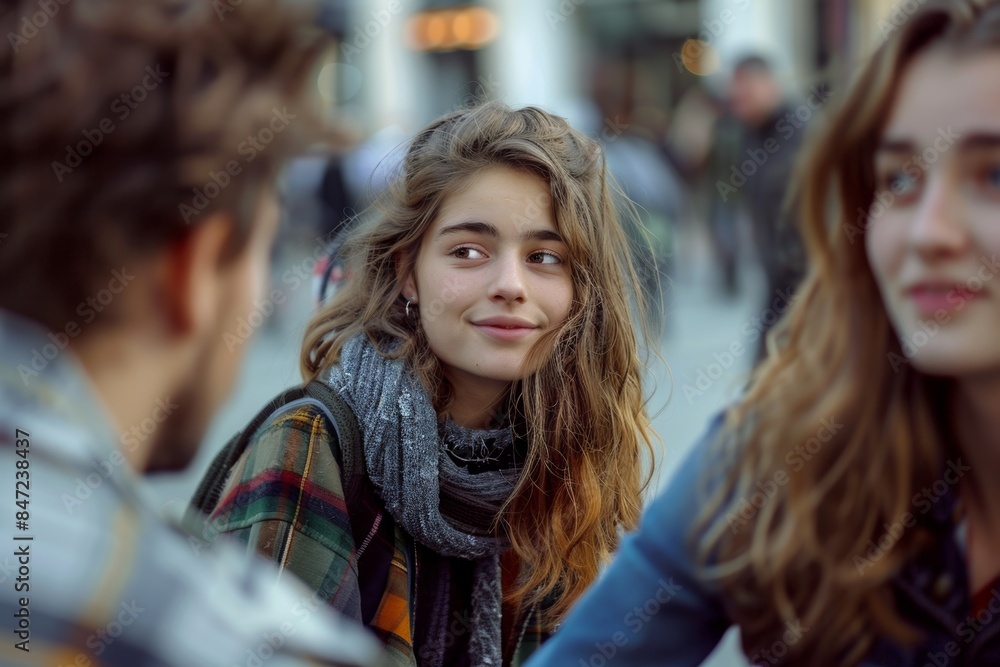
608 65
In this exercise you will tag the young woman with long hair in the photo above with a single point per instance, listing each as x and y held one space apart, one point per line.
847 511
486 347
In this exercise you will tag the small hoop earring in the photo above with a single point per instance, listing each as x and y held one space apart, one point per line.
408 301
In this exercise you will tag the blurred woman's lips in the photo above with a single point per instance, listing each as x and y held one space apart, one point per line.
929 298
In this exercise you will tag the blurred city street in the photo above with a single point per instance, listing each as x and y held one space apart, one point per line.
650 80
690 121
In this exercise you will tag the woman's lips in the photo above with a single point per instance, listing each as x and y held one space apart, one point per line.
505 333
931 299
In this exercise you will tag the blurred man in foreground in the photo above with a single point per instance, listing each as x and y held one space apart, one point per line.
141 140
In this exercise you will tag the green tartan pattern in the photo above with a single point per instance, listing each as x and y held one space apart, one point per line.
285 499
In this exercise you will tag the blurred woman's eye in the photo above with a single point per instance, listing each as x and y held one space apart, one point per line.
900 183
991 177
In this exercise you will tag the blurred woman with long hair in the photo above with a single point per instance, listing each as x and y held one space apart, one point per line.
486 347
847 511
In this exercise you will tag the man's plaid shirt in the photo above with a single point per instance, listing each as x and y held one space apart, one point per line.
106 579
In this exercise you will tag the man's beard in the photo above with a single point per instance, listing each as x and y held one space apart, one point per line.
177 440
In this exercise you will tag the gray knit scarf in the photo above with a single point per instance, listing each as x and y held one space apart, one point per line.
406 460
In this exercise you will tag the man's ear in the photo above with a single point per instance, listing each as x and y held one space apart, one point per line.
194 269
405 279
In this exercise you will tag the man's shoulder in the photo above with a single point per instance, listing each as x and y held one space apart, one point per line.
109 572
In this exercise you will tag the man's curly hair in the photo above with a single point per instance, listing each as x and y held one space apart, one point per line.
123 124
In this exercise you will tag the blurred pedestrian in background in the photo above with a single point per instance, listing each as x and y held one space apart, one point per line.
757 145
486 438
846 511
136 229
703 141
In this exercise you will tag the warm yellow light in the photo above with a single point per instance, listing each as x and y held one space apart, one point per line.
699 57
482 26
438 30
465 28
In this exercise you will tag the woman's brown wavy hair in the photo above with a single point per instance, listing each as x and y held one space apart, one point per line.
584 412
836 356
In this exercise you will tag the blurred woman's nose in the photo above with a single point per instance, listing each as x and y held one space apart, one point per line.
939 224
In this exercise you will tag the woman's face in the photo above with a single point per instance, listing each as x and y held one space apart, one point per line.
934 237
492 276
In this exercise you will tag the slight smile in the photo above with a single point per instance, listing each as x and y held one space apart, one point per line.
505 328
930 297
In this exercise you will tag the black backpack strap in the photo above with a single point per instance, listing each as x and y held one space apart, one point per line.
347 445
373 532
206 497
363 504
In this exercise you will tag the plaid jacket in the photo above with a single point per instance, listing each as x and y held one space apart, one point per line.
285 498
102 578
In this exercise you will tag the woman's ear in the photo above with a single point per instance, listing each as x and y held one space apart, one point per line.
404 277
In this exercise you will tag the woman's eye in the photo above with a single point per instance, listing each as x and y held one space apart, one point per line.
900 183
544 258
467 253
991 177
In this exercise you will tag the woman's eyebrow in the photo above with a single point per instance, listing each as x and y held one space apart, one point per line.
980 141
973 141
893 146
484 228
487 229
